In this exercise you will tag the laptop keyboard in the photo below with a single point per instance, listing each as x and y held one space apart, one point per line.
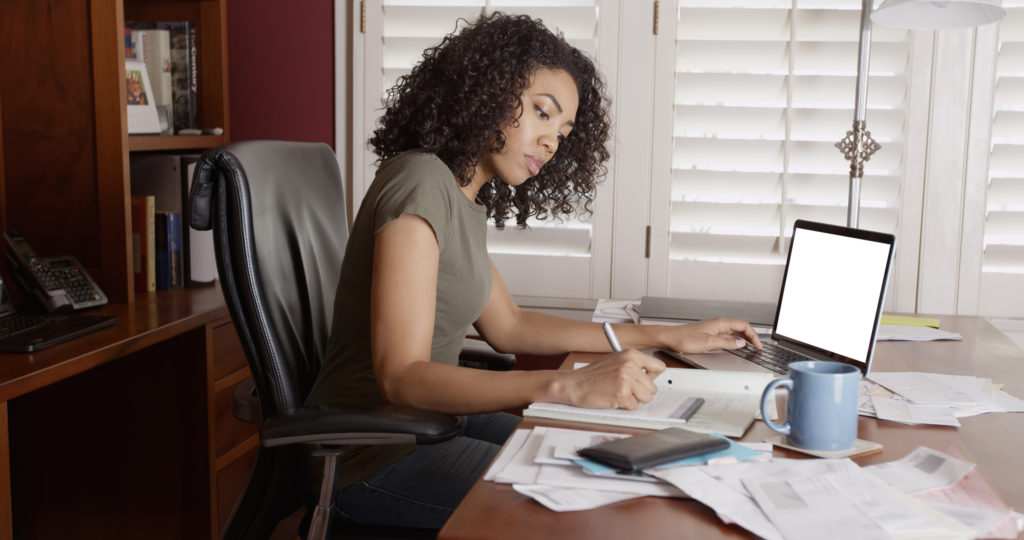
21 322
771 356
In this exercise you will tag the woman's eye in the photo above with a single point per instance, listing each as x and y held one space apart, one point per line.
540 112
561 137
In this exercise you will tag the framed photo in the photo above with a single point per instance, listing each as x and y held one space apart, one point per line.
142 115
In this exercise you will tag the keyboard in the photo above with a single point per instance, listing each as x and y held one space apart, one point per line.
771 356
29 333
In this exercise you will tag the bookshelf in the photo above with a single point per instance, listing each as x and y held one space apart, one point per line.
65 158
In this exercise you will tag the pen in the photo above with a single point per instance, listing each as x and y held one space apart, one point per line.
689 408
612 339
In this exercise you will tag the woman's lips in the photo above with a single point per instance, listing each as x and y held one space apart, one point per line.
534 163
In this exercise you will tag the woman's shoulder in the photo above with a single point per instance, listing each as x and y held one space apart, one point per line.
419 162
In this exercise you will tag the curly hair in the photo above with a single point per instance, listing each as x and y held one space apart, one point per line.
456 100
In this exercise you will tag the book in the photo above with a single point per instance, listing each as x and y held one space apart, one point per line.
169 177
163 269
142 116
184 72
174 249
143 239
184 58
153 47
732 400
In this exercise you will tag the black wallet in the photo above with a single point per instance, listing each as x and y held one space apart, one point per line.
651 449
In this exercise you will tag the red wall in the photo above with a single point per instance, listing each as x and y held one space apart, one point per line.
281 70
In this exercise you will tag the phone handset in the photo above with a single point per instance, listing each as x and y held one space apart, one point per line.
59 283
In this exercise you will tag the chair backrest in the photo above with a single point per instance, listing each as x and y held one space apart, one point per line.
277 209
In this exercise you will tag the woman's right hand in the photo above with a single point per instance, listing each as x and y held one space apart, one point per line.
621 380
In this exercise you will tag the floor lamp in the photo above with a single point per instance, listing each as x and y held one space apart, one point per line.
858 146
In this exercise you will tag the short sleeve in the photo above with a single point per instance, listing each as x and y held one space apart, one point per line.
419 184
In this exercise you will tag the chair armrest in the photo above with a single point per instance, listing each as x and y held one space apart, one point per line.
246 406
386 424
476 353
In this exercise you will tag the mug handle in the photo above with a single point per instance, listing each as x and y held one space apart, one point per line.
787 383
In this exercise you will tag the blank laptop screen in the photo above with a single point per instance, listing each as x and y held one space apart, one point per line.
833 290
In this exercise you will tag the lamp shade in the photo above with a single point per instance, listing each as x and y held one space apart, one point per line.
937 14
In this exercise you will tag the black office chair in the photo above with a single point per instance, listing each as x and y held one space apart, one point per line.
278 214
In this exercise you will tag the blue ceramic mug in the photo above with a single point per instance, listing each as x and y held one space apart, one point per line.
821 410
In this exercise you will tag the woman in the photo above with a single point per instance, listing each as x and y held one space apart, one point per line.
502 120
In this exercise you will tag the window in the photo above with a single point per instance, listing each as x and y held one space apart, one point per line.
725 122
763 90
1002 271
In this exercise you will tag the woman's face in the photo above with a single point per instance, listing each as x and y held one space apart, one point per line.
548 115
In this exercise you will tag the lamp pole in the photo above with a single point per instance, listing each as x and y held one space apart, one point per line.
858 146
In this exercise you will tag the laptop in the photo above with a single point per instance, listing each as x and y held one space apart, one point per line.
22 333
830 304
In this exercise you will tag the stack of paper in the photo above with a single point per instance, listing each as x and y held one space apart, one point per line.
924 495
927 494
932 398
542 463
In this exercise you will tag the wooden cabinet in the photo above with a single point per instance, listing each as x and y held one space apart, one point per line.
65 182
66 145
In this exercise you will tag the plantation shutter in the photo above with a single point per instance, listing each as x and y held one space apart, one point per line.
763 91
1002 272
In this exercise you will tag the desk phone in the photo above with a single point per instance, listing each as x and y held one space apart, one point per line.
59 283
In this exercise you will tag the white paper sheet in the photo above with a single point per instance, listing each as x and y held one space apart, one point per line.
905 332
562 499
912 413
731 505
922 470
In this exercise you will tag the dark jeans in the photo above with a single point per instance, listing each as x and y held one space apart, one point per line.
423 488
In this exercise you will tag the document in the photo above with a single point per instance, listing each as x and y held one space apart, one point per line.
732 400
731 504
903 411
972 502
562 499
922 470
904 332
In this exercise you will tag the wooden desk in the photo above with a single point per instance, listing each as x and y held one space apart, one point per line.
113 434
992 441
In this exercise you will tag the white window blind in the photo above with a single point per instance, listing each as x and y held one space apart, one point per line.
763 90
560 252
1002 272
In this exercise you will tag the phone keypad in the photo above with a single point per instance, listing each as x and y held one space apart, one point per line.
68 277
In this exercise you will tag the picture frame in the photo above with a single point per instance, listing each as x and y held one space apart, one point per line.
142 113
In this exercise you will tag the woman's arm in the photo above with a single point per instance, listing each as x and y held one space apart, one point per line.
511 329
402 321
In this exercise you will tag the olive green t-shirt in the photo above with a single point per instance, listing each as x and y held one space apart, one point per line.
419 183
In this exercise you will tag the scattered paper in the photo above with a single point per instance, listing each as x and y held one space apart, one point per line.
562 499
902 332
910 413
922 470
731 505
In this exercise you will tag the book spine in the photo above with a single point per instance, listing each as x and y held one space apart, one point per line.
163 269
155 47
143 242
174 254
184 72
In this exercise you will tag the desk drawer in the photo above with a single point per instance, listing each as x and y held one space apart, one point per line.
231 482
228 356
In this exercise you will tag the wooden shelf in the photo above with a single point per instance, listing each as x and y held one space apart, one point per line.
140 143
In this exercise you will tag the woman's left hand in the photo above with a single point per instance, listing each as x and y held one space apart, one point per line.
711 334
